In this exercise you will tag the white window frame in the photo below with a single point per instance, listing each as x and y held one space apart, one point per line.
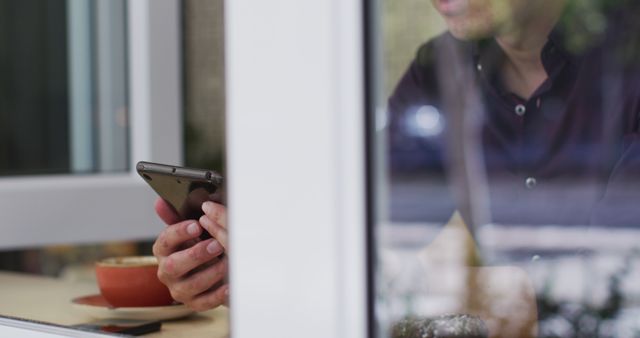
45 210
296 168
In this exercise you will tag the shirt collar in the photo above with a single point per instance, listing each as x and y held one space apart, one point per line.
489 57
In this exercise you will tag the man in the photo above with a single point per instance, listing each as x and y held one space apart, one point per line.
541 108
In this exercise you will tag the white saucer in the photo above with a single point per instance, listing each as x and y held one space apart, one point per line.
96 306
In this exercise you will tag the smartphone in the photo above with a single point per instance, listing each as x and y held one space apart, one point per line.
122 326
185 189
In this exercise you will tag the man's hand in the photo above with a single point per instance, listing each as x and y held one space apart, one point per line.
194 271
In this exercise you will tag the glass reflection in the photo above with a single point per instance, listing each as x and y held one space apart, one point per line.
512 169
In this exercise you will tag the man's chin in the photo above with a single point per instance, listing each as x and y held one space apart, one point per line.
466 31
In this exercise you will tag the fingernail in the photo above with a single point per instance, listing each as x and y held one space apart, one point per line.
207 206
214 247
193 229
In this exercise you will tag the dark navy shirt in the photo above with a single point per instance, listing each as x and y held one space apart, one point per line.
569 154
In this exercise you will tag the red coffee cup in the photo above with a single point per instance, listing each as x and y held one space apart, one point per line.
132 282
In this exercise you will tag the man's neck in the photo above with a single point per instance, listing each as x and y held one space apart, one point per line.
522 43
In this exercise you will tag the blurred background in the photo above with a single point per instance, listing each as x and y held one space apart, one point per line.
64 101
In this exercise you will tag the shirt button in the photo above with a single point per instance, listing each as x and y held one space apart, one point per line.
530 182
520 110
479 67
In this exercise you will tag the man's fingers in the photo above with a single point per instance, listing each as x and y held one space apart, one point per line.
174 236
210 299
215 230
188 289
182 262
166 212
216 212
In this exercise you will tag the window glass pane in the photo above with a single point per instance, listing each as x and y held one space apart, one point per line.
203 83
508 168
63 89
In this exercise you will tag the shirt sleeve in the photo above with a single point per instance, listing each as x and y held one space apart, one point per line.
417 190
620 204
410 147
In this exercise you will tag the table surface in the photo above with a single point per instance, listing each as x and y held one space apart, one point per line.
49 300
